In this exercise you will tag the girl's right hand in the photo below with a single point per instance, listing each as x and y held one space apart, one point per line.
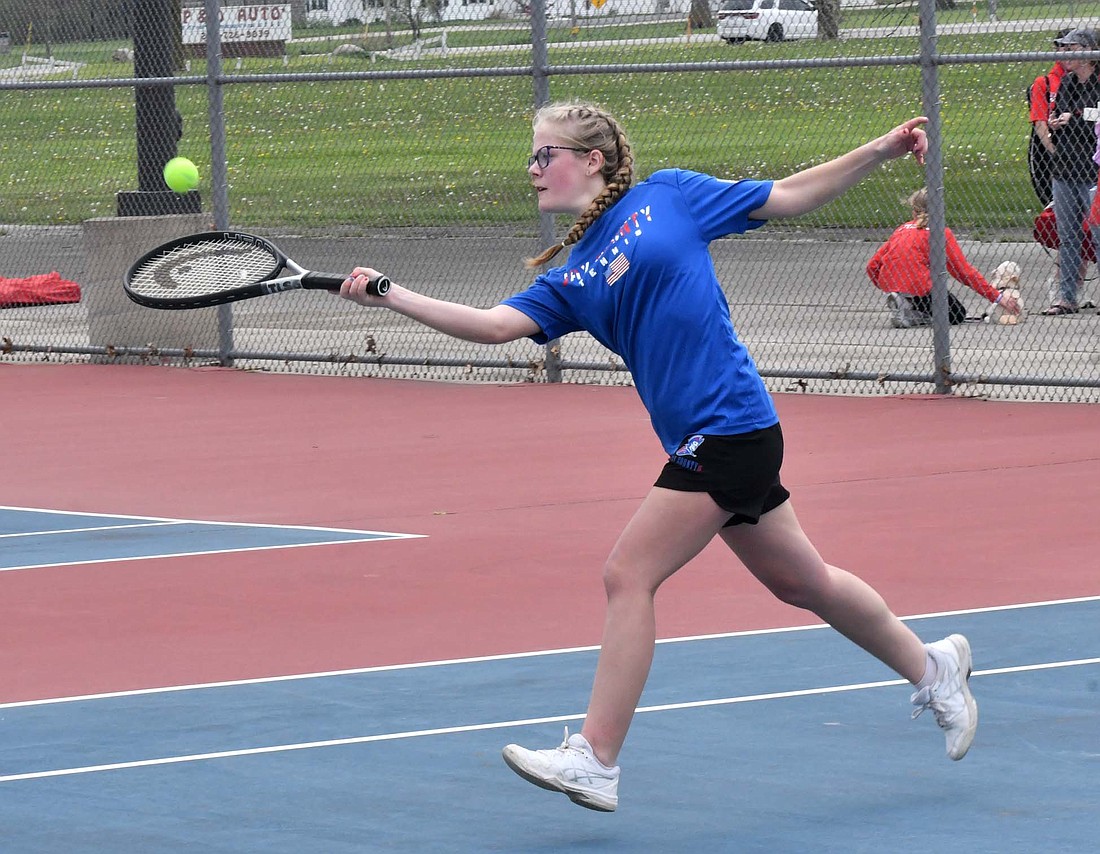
355 287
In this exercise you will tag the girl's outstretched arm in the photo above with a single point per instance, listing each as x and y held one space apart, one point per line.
494 325
811 188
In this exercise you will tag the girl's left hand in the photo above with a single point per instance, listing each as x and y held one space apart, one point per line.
1009 304
908 138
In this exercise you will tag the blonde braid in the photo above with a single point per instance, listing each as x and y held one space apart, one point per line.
592 129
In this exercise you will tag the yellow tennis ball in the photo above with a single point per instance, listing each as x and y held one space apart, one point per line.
181 175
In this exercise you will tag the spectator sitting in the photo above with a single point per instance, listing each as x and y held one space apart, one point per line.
901 268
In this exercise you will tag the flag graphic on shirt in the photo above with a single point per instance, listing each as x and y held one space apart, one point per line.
618 267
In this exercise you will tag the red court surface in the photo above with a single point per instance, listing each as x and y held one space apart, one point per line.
520 491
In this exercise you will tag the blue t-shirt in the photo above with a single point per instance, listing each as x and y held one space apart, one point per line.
641 281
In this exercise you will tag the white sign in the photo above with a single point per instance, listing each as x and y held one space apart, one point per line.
239 24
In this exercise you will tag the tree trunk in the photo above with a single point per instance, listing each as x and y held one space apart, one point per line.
700 16
297 13
828 19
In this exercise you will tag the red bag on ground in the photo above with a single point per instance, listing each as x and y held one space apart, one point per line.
1046 233
43 289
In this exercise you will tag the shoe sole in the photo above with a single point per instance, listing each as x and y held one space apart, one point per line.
962 649
581 799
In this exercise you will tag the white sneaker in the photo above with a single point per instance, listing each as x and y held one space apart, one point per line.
903 314
897 305
949 696
572 769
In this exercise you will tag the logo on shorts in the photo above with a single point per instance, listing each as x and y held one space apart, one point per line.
689 447
686 450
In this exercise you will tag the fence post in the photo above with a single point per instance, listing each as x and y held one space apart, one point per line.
540 60
218 169
933 178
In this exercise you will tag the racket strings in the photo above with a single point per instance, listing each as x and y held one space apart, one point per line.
206 267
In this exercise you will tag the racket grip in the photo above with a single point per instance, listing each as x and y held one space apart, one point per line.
379 286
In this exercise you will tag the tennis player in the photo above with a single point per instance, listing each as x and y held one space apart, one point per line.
641 281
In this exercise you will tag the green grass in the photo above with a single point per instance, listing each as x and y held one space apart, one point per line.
451 152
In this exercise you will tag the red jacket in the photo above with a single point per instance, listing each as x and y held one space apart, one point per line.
1043 91
901 264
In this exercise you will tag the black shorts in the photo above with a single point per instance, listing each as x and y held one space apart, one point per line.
740 472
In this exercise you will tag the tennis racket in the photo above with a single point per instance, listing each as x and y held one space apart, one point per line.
217 267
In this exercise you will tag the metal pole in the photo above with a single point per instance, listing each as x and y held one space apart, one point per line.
218 165
540 61
933 178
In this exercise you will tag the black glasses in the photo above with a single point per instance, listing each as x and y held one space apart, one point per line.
542 156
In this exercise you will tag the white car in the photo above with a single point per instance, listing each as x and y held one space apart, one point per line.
766 20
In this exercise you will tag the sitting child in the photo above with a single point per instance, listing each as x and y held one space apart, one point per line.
902 269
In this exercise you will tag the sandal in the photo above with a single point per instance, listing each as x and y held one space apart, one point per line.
1058 308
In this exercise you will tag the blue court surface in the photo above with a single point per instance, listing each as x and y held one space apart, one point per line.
788 740
35 538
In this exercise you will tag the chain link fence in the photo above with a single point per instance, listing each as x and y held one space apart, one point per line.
395 133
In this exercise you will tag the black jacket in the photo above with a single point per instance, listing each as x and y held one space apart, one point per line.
1075 143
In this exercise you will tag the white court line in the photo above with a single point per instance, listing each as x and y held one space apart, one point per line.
509 656
86 530
199 521
373 536
153 521
396 736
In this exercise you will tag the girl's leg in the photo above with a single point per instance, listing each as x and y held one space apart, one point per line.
667 531
778 553
781 556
